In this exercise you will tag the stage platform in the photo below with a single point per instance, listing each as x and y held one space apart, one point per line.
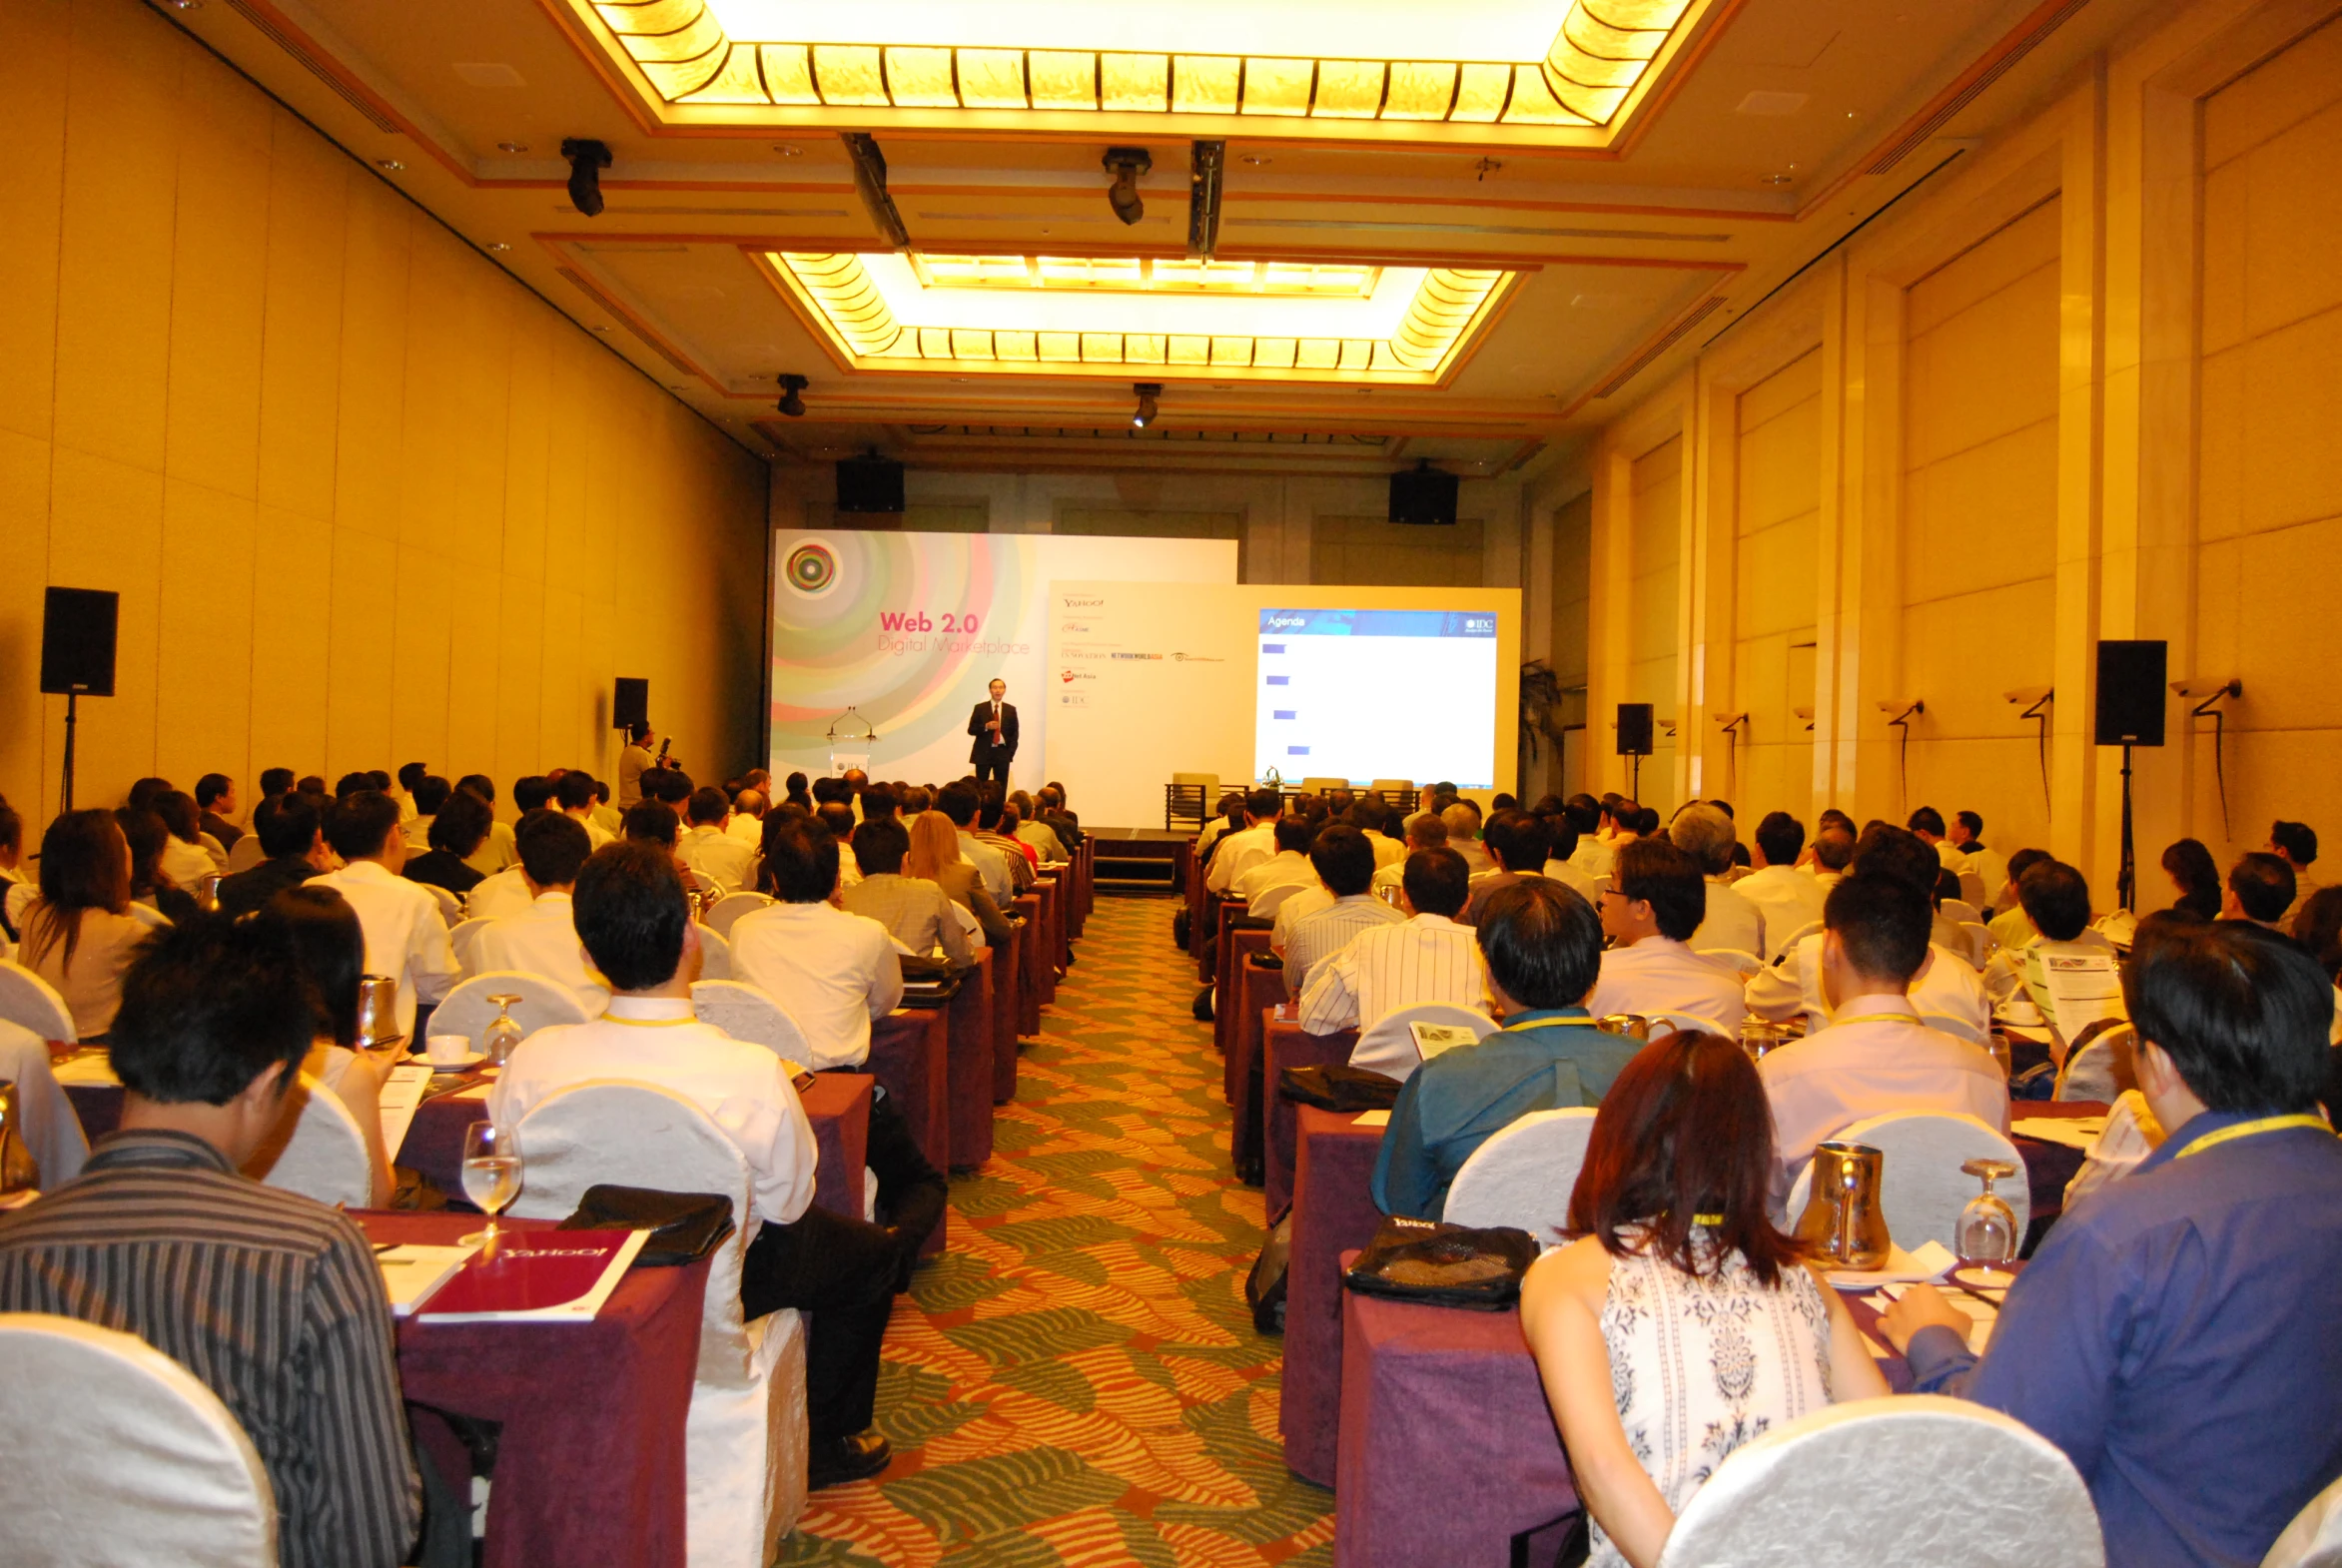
1138 859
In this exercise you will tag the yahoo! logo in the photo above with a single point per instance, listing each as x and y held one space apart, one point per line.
1082 604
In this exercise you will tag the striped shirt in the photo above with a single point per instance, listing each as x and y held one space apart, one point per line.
1317 937
1428 959
269 1298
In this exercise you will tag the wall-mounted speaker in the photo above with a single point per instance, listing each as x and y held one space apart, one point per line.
77 641
2130 694
630 703
870 484
1634 730
1423 496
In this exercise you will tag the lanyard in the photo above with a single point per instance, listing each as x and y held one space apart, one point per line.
2252 1130
1547 1023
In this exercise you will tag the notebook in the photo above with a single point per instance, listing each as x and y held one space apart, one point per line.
412 1272
551 1277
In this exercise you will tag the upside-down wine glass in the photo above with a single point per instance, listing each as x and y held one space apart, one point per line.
1986 1237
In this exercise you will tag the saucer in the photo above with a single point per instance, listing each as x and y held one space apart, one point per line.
470 1059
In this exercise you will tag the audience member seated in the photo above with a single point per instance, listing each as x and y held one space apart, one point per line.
1289 868
1426 958
499 851
916 913
456 830
405 936
543 939
837 819
294 842
1329 917
1680 1323
2056 902
1373 819
2009 927
1543 948
1516 845
959 803
271 1298
1967 837
1947 988
185 860
992 828
708 848
632 918
831 971
1875 1055
1706 833
745 827
326 938
408 778
574 795
215 799
2296 844
1591 818
1562 860
1049 804
1238 852
1424 831
1462 820
428 797
1788 900
1037 835
151 888
15 892
935 856
1656 903
1830 856
2178 1334
2194 877
79 933
2260 890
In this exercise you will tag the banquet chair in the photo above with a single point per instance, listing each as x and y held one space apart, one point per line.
715 955
1269 900
28 999
1964 1028
1389 1047
728 908
749 1013
969 925
1812 928
543 1003
214 848
450 907
246 853
1523 1175
1921 1189
2098 1069
325 1154
2314 1538
1892 1481
112 1452
1683 1024
745 1441
1973 890
1738 960
1979 942
1962 911
461 937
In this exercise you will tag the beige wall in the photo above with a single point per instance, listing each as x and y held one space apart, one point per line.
1774 513
366 499
1655 554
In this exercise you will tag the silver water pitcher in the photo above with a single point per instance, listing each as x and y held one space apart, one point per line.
1843 1222
1631 1025
19 1171
377 1012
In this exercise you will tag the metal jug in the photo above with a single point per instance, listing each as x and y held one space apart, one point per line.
377 1011
1631 1025
1843 1222
19 1171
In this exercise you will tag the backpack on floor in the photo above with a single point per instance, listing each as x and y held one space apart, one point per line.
1179 930
1264 1285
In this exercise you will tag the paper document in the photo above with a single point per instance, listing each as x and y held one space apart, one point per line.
2073 1132
412 1272
1432 1039
1928 1262
91 1066
2077 990
1372 1119
400 1096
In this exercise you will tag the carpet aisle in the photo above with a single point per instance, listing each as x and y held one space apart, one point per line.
1076 1381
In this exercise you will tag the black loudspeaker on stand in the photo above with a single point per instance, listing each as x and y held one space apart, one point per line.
77 656
1634 740
2130 714
630 703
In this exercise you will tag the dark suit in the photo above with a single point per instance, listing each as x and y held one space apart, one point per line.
991 761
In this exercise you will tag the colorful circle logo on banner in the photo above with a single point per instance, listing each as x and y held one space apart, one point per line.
810 568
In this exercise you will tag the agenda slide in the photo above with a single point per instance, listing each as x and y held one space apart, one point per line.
907 629
1360 696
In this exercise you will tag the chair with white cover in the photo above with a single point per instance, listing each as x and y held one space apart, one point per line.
214 848
715 955
2314 1538
1269 900
1890 1482
28 999
749 1013
1524 1175
112 1452
1812 928
745 1441
246 853
1921 1189
2095 1071
450 907
1683 1024
1389 1044
1738 960
1960 911
725 911
325 1157
461 937
1979 942
543 1003
1973 890
1961 1028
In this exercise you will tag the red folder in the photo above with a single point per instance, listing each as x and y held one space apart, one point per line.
537 1276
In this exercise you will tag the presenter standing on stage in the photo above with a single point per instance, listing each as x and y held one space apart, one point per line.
994 725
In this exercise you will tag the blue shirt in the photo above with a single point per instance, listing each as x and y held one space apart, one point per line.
2179 1335
1540 1061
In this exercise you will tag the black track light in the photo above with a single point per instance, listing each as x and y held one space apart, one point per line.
1147 392
587 159
1127 164
793 395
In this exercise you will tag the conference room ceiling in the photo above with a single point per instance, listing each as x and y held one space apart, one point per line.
1501 221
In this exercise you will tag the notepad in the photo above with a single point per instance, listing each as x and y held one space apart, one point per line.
1928 1262
1432 1039
400 1094
1372 1119
412 1274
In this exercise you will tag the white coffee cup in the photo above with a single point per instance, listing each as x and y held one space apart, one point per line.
450 1049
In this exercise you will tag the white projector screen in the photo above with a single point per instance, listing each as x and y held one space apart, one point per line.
1361 695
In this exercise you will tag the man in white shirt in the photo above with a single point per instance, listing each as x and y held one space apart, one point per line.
841 1272
960 802
1876 1056
1424 832
405 936
543 939
708 847
1592 854
1463 836
1373 819
1787 898
633 761
1989 866
1927 824
2296 844
1517 844
1706 834
576 797
747 821
1429 958
832 972
1339 910
1562 860
1656 906
1239 852
1288 867
410 775
429 794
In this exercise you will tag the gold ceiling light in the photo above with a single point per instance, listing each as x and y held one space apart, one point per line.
1113 315
1528 72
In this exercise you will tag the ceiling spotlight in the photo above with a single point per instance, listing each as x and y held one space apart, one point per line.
389 165
1127 164
498 245
788 149
1147 392
587 159
792 396
1206 162
512 147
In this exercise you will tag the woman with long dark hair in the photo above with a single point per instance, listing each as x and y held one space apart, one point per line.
151 885
1679 1325
324 934
2195 878
79 934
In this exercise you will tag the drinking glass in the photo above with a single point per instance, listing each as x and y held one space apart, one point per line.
1757 1037
1998 1044
1986 1235
502 1033
491 1176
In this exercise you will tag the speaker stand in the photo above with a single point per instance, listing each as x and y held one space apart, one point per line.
1634 779
72 717
2126 880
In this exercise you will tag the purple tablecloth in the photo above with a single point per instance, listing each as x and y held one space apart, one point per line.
910 1056
1286 1045
1259 993
1448 1449
1333 1212
1008 976
1228 1002
968 1067
590 1465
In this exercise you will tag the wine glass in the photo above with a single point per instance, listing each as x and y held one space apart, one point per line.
502 1033
1986 1235
1757 1037
491 1176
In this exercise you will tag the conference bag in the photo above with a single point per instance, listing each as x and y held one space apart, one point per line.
684 1226
1434 1263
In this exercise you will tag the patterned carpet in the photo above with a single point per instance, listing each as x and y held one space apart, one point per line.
1076 1381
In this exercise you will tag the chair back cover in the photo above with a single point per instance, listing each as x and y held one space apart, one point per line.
1812 928
1683 1024
1269 900
1921 1189
1892 1480
1738 960
2314 1538
715 955
461 936
1973 890
325 1154
31 1002
245 853
112 1452
1979 942
543 1003
1524 1173
1963 1027
749 1013
1389 1045
450 907
727 910
1963 911
2091 1072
